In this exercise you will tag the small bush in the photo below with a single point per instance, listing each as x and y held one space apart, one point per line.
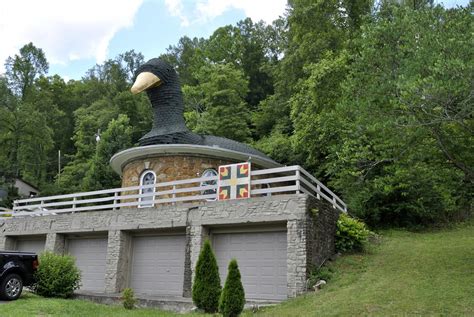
207 283
322 273
351 234
232 299
57 276
128 298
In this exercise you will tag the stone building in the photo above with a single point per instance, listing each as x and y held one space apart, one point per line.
147 235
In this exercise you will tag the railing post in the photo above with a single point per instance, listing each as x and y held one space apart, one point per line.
115 200
174 194
318 190
298 184
15 204
334 202
74 204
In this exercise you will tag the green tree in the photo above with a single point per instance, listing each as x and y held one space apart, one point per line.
219 102
246 47
310 51
100 97
315 98
207 283
89 121
405 124
23 69
232 300
25 136
130 61
117 137
187 57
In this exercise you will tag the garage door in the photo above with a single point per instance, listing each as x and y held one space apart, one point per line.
158 265
30 245
262 261
90 256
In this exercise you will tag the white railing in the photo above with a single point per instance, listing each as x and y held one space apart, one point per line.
280 180
4 212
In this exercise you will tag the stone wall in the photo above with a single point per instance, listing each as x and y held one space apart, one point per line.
169 168
322 219
310 227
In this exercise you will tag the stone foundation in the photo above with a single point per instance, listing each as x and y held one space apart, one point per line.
310 225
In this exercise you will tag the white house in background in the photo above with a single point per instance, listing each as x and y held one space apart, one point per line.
25 189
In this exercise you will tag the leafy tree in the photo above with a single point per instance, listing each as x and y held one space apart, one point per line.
187 57
89 121
25 136
23 69
315 98
99 98
207 283
310 51
405 119
246 47
117 137
232 300
130 61
220 95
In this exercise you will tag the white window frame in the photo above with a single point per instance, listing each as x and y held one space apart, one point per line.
142 176
205 183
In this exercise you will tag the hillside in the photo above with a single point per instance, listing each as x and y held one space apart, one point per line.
426 274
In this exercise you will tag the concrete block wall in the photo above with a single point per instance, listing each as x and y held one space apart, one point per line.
310 227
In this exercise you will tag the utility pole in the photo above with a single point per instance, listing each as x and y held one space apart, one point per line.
59 166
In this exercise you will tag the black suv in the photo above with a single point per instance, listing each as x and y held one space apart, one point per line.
16 270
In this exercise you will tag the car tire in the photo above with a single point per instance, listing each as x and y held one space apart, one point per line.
11 287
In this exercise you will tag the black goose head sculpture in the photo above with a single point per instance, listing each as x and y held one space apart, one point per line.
161 83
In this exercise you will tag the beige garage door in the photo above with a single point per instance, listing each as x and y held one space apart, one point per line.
158 265
31 245
90 257
262 261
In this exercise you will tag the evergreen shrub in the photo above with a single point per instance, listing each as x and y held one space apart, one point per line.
128 298
232 299
207 283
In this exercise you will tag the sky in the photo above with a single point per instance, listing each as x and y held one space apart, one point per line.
75 35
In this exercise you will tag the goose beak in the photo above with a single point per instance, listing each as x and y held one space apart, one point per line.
144 81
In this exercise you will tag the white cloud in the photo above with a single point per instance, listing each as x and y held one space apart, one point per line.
65 30
266 10
175 8
205 10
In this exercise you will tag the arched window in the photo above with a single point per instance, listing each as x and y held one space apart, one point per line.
208 173
148 178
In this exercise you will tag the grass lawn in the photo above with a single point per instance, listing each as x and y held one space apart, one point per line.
425 274
421 274
34 306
